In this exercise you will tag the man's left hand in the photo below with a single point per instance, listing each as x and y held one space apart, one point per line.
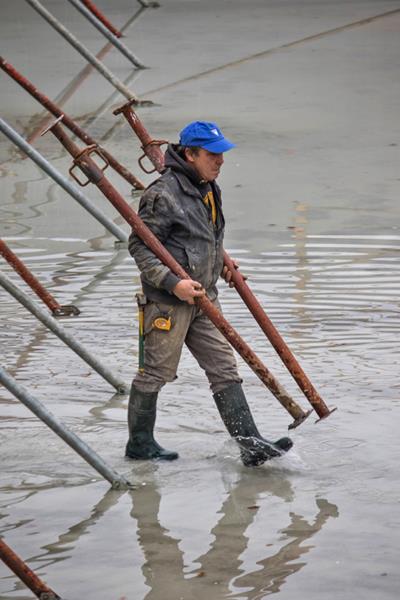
227 274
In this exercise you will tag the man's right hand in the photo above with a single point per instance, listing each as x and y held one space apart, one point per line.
187 290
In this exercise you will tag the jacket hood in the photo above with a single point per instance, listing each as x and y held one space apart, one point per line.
174 161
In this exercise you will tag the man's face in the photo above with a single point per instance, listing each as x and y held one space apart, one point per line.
207 164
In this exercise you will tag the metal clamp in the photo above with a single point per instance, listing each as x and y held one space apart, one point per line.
66 311
87 152
158 143
49 596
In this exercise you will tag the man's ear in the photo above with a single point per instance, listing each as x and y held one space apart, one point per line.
188 155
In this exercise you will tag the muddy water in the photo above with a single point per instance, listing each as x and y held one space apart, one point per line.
311 199
323 518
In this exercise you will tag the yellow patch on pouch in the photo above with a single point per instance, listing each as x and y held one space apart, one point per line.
162 323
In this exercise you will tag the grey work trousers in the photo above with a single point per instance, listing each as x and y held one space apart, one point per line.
163 349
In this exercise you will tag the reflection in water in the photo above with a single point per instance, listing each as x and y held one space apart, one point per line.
61 277
303 273
277 568
219 571
11 502
59 550
221 567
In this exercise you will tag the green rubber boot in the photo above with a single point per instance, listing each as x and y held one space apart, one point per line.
235 413
141 419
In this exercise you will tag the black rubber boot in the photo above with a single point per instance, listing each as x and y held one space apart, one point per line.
141 418
235 412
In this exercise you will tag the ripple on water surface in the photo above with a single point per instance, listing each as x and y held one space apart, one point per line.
334 300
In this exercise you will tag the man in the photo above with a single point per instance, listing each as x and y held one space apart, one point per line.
183 209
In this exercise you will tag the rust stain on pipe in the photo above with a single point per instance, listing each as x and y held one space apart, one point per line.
25 574
34 284
69 122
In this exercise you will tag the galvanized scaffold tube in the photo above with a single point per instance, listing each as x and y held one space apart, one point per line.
25 574
94 174
101 17
71 39
79 79
68 121
152 149
62 181
52 324
117 481
35 285
88 14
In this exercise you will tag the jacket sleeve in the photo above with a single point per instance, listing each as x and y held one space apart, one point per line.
156 210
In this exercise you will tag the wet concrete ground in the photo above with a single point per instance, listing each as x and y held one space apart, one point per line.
309 91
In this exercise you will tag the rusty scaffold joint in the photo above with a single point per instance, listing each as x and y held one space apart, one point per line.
150 147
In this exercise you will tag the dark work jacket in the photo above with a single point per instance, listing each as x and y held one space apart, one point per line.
173 208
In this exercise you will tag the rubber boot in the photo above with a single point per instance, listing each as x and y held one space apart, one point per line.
141 419
235 413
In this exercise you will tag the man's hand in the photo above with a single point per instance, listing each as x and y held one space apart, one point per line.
187 290
227 274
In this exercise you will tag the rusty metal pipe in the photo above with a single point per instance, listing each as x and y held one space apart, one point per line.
97 13
83 160
35 285
153 151
69 122
277 341
25 574
150 147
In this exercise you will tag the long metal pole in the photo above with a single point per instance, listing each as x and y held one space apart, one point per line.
78 80
117 481
35 284
152 150
105 31
62 181
117 83
92 171
97 12
69 122
277 341
25 574
52 324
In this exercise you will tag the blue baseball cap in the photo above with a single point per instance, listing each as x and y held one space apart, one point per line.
205 135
